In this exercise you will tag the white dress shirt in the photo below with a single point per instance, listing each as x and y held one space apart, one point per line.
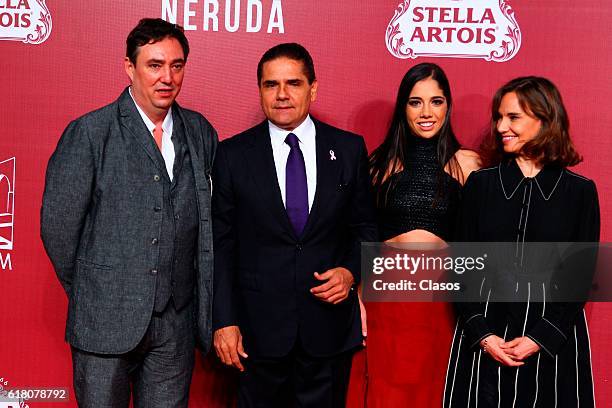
167 147
306 134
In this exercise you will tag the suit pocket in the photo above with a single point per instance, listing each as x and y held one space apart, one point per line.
89 264
342 194
92 281
105 284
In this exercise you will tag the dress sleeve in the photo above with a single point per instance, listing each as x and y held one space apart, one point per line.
471 314
589 227
553 329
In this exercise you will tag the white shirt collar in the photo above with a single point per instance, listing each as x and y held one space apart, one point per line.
304 132
167 124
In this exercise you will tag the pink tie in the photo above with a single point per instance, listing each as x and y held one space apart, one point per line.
157 135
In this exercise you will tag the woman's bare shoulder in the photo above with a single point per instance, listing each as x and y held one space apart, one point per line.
468 160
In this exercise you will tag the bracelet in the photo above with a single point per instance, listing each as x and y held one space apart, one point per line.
484 346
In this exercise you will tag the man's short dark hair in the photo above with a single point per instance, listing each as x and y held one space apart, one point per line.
292 51
152 30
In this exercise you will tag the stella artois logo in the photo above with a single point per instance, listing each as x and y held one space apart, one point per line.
484 29
27 21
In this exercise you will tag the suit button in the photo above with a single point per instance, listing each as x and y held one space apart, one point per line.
154 241
173 283
157 209
156 177
176 216
298 247
153 271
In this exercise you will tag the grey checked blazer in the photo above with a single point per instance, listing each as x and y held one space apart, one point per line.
98 217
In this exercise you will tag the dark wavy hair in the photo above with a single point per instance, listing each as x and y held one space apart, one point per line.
390 157
539 98
152 30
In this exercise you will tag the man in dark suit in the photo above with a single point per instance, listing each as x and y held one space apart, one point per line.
291 204
126 224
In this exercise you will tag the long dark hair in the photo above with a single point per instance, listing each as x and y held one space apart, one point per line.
539 98
390 157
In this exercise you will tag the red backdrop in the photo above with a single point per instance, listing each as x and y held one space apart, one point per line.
79 68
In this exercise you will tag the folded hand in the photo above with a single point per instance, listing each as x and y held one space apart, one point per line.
337 286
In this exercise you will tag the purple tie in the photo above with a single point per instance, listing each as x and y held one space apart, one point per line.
296 187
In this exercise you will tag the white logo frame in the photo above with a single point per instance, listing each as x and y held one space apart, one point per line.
506 44
40 27
7 203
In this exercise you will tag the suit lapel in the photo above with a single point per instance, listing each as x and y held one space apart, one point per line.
258 154
131 120
327 175
201 174
179 140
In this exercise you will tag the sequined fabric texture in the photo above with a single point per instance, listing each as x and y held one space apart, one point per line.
421 196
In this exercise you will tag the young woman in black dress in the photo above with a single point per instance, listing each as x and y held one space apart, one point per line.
533 353
417 174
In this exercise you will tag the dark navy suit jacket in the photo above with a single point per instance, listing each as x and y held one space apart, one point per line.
263 271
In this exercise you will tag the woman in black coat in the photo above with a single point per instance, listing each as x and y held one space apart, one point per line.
532 353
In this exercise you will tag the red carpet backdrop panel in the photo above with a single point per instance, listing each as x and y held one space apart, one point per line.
61 59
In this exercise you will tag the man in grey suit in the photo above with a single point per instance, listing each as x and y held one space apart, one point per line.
126 224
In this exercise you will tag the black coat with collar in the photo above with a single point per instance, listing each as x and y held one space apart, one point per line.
263 271
501 205
100 213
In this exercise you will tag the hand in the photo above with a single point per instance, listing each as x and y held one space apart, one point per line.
338 285
520 348
364 319
492 345
228 345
